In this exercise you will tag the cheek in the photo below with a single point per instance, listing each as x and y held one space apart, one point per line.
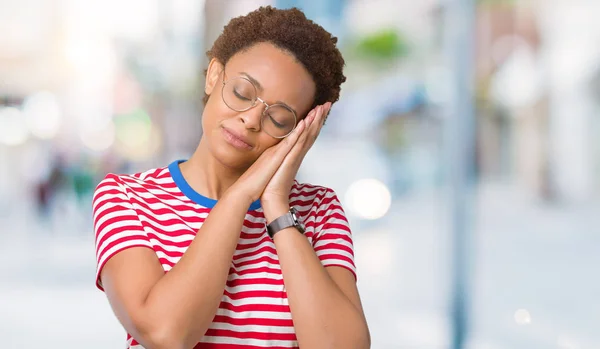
214 113
266 142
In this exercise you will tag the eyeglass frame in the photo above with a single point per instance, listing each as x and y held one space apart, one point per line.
254 104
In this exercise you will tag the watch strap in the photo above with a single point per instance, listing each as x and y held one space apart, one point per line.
290 219
280 223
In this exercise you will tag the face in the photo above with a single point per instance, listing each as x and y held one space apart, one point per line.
237 138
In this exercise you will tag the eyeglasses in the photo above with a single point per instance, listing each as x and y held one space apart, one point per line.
240 94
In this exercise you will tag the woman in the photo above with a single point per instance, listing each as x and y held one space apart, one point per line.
226 249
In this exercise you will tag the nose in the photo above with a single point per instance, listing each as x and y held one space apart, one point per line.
252 117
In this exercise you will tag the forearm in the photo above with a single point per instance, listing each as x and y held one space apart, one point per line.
189 295
323 316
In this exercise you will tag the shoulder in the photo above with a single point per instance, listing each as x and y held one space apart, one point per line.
118 185
306 194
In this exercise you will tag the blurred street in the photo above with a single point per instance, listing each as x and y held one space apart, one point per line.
538 258
498 97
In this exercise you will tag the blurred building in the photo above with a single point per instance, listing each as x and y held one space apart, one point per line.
90 87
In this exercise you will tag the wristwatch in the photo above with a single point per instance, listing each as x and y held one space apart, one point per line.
289 219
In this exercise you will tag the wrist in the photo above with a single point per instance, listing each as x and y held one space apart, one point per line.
273 211
238 195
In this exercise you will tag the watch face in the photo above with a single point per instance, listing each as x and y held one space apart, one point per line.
297 222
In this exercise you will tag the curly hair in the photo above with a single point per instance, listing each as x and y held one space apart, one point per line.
290 30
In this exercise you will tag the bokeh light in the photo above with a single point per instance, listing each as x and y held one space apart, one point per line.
136 137
99 135
13 129
43 115
522 317
368 198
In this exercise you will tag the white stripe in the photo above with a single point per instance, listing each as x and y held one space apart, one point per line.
252 328
253 231
327 262
183 237
166 227
101 217
174 201
173 248
172 260
104 256
249 341
113 237
324 240
258 265
142 175
275 315
254 287
255 300
335 252
248 241
253 249
255 257
151 207
104 198
253 219
261 274
108 230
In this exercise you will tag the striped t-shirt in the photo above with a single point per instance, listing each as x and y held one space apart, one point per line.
159 210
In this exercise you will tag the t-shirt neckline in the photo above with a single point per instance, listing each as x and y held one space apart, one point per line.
193 195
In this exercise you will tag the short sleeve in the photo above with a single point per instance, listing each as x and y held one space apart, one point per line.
333 240
116 223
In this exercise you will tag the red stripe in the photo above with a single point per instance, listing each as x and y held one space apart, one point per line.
253 321
251 335
254 307
255 294
267 246
234 346
255 271
256 261
334 246
140 241
335 257
254 281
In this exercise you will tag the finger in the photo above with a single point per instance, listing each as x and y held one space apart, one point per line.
306 140
324 111
272 158
317 123
308 120
290 141
278 152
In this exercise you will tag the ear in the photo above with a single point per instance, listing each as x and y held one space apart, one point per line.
212 75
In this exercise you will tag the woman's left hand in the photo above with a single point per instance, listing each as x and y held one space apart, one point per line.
275 197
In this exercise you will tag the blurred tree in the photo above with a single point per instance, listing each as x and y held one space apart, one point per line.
386 44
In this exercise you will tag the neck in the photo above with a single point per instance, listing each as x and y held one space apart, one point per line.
206 175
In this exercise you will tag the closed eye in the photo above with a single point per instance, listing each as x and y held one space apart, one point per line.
238 95
277 124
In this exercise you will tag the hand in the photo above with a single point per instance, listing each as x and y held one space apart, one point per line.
254 180
275 197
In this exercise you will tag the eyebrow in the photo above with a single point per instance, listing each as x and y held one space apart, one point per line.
254 81
259 86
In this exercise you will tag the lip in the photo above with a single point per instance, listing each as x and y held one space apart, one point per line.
236 139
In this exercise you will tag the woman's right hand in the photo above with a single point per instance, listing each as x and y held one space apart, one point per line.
253 182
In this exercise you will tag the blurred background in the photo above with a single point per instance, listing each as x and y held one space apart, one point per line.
91 87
